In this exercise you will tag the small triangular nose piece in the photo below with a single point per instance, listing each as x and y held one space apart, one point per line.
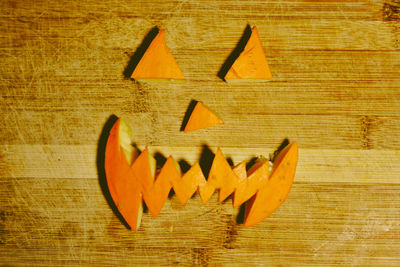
201 117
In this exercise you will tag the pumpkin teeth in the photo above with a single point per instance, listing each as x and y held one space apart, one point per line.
257 187
201 117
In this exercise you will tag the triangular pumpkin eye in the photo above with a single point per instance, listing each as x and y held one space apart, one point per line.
158 62
201 117
251 63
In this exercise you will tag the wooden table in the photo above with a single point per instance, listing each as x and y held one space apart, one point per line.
335 90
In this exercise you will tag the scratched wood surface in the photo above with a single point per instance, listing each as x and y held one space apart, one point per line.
335 89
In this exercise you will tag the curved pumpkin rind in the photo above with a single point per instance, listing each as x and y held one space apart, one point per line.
124 189
274 193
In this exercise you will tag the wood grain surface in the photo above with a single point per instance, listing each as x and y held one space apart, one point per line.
335 90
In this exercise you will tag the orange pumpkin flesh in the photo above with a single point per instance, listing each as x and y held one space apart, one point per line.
129 182
274 192
123 187
189 183
220 177
201 117
158 63
256 179
240 171
251 63
157 194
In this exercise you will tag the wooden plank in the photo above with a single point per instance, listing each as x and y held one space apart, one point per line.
337 25
290 97
78 68
315 165
275 33
103 255
239 130
319 223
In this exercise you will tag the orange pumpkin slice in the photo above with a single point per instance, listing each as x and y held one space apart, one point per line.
157 192
157 63
124 188
220 177
274 192
201 117
255 179
251 63
189 183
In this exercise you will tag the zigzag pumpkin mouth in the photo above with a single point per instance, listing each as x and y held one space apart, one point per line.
133 177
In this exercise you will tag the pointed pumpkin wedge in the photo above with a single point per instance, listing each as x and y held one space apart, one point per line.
275 191
201 117
143 169
157 63
123 187
158 193
186 186
251 63
257 177
240 171
220 177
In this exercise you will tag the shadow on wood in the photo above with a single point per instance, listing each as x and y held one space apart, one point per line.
251 163
137 56
283 144
235 53
184 165
241 215
206 159
160 159
101 149
230 161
